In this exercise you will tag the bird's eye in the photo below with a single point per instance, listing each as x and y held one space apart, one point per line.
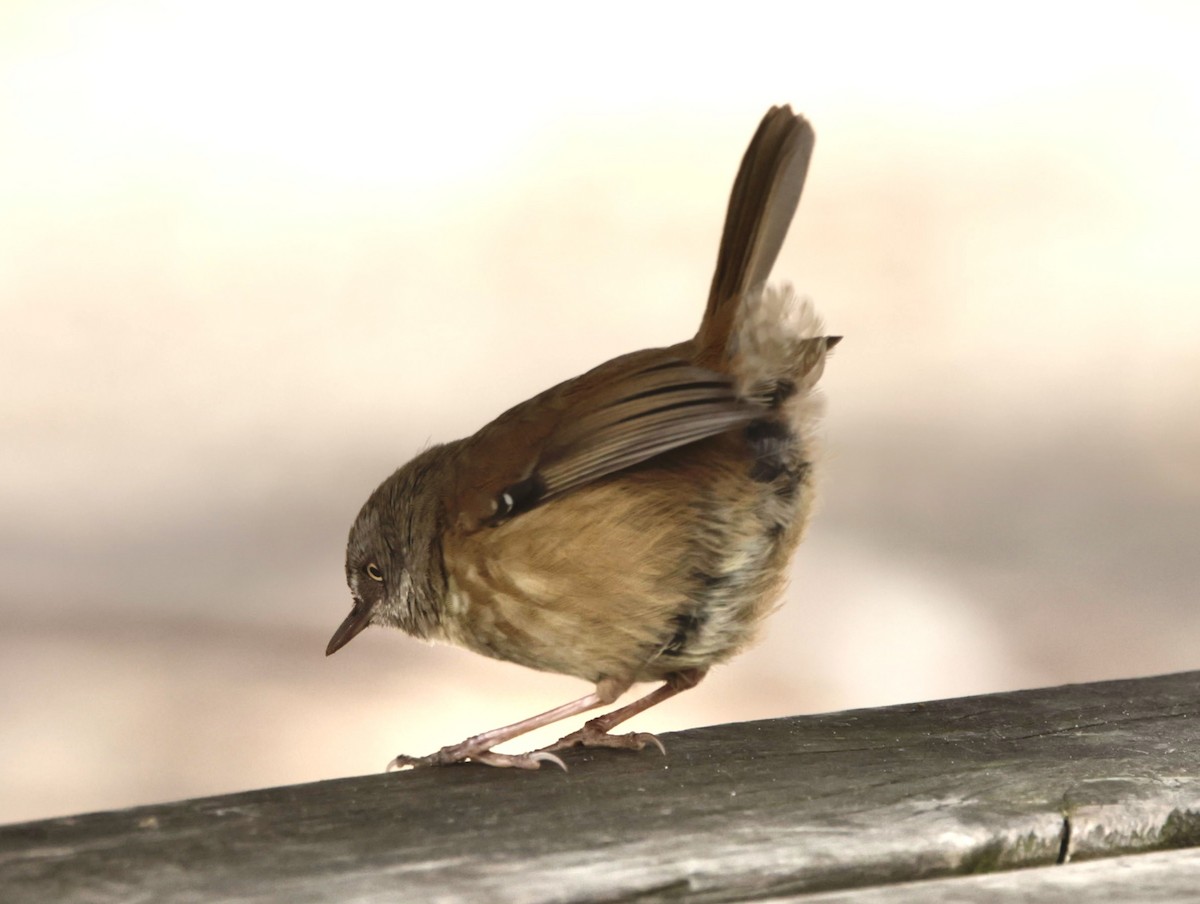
374 573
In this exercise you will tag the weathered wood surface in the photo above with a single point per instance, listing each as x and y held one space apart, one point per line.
1161 878
855 800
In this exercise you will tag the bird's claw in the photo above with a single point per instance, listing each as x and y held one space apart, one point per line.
448 755
531 760
401 762
594 737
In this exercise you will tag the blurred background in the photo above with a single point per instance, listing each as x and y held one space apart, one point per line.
255 255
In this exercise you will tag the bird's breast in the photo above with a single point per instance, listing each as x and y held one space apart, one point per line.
649 572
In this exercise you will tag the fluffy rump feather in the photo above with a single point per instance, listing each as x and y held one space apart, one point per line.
777 340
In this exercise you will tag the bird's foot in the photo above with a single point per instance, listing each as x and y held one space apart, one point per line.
592 735
463 753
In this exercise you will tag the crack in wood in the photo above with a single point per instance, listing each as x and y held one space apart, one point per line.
1064 847
1103 723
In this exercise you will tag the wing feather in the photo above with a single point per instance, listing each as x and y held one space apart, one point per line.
606 426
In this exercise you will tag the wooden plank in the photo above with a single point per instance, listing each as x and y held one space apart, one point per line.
1170 877
845 800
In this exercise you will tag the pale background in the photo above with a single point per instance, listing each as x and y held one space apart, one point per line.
255 255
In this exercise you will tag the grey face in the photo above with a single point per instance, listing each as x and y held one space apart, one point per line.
367 574
393 557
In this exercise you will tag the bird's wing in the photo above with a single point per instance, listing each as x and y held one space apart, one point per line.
612 418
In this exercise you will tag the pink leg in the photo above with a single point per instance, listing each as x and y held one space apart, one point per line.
595 733
479 747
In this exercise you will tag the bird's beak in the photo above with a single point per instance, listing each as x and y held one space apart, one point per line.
359 618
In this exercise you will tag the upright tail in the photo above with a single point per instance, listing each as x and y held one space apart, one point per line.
765 195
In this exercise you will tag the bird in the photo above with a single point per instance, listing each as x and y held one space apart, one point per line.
633 524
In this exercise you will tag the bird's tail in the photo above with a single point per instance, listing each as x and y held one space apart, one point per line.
764 199
769 340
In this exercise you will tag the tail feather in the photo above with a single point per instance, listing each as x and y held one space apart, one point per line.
765 195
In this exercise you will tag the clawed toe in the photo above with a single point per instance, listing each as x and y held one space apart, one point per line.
531 760
594 737
401 762
450 755
653 739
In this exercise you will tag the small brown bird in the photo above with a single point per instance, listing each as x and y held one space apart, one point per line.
633 523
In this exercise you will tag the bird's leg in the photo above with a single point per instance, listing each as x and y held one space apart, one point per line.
478 748
595 733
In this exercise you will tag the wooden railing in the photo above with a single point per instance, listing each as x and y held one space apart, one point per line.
992 798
